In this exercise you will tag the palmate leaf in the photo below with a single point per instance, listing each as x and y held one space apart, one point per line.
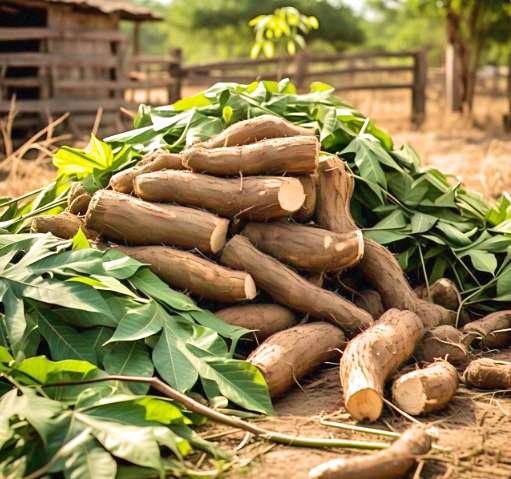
90 462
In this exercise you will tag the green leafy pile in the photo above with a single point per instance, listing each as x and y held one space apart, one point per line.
91 431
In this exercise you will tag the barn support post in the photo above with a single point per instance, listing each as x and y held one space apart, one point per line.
420 72
175 74
301 66
507 116
453 78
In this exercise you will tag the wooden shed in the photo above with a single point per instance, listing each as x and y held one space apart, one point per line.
61 56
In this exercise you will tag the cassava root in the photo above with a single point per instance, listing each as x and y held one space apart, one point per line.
295 156
492 331
263 319
442 342
257 198
372 356
287 356
184 270
391 463
488 373
256 129
125 219
63 225
306 247
443 292
370 300
426 390
288 288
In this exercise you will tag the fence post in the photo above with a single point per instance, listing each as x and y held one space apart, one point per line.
507 116
420 73
175 74
453 78
300 68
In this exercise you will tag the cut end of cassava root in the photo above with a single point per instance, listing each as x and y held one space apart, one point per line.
218 236
365 404
291 196
426 390
250 288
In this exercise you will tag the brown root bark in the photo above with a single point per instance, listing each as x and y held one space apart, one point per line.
75 191
382 270
296 156
335 188
372 356
306 212
287 356
487 373
306 247
442 342
426 390
64 225
80 204
391 463
256 129
257 198
493 331
123 181
370 300
263 319
129 220
442 292
288 288
184 270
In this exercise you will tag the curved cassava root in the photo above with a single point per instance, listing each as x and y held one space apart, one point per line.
442 342
64 225
392 463
288 288
335 188
123 181
426 390
287 356
306 247
263 319
442 292
80 204
184 270
488 373
372 356
382 270
257 198
256 129
125 219
370 300
296 156
492 331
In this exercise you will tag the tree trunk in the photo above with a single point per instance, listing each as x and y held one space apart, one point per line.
257 198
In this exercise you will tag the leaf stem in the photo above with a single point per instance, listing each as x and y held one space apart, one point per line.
206 411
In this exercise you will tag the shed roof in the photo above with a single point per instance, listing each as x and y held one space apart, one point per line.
126 9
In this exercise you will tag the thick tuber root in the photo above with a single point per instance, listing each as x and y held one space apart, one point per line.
80 204
372 356
488 374
493 331
381 269
256 129
442 292
125 219
306 212
263 319
64 225
442 342
391 463
426 390
287 356
370 300
296 156
306 247
123 181
257 198
201 277
335 188
288 288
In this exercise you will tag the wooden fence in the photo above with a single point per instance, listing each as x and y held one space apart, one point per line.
346 72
